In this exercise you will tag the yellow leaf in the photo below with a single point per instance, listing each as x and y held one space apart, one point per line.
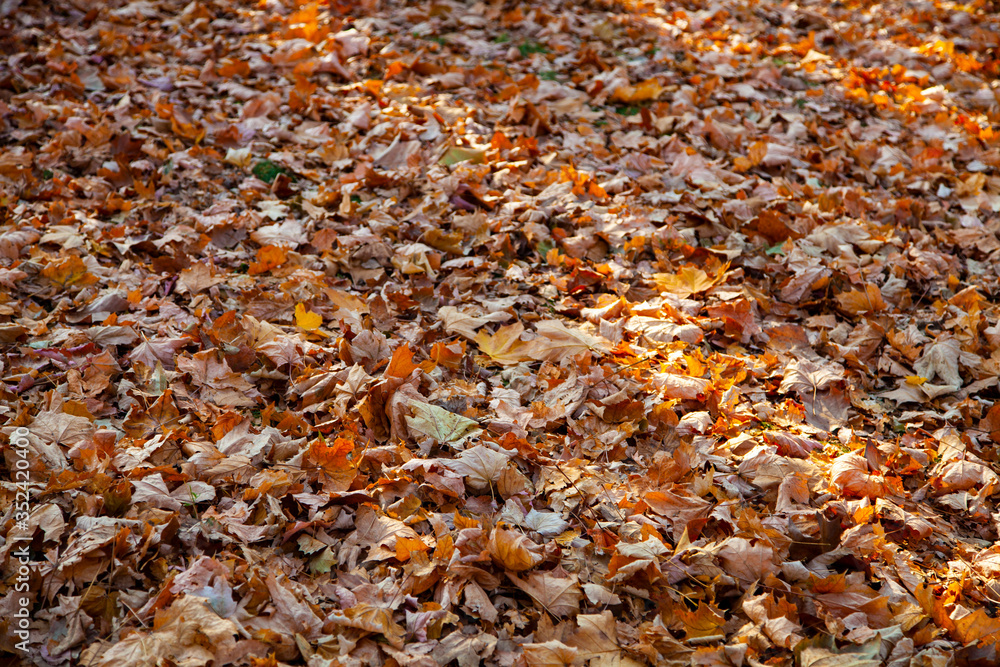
505 346
915 380
685 282
306 319
705 621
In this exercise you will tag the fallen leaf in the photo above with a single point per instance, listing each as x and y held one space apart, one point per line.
512 550
440 424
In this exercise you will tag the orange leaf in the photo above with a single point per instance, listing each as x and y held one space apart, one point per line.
268 257
702 622
856 302
402 362
407 545
757 152
648 90
394 68
500 141
68 272
513 551
448 355
331 456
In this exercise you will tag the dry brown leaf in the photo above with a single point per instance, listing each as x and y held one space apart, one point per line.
856 302
557 591
849 475
513 551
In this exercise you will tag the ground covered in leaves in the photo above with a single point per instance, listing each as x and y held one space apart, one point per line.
550 333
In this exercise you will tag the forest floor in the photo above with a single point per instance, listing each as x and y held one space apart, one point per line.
510 334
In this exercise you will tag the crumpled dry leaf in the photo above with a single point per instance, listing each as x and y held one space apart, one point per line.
188 632
849 475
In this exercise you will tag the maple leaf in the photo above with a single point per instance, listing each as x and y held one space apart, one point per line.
486 242
689 280
513 551
505 346
747 561
197 277
283 351
468 650
552 653
703 622
269 257
456 321
642 92
158 418
940 361
442 425
868 300
378 533
849 475
401 364
557 591
806 377
306 319
480 466
157 350
596 640
187 632
334 460
372 618
62 428
556 341
777 618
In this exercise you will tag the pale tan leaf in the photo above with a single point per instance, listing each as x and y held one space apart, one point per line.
557 591
440 424
480 466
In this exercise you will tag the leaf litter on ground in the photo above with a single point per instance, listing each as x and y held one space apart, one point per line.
551 333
